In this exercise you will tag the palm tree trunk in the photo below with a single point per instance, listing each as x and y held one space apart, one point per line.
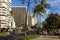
37 24
26 22
37 20
40 20
57 31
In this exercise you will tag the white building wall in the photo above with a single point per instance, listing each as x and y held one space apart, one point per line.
32 19
6 6
5 13
13 24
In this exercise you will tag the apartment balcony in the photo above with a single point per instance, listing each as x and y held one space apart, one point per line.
3 14
5 1
3 5
4 18
4 26
4 22
4 10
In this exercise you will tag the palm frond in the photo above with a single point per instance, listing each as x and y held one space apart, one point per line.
47 5
40 8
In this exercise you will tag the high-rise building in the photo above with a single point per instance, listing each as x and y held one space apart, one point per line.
30 20
20 15
5 8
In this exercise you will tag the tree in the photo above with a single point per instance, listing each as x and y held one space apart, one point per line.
41 8
11 18
52 22
28 4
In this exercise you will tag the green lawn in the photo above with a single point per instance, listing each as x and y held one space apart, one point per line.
29 37
4 33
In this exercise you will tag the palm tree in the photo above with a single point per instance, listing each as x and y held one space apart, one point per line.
28 3
41 8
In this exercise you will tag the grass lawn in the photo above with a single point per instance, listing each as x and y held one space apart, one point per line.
29 37
4 33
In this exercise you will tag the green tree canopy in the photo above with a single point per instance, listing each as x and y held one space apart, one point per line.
52 21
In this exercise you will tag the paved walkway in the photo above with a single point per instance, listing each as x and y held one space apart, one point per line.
47 38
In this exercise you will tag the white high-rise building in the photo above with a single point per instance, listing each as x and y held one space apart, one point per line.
30 20
5 8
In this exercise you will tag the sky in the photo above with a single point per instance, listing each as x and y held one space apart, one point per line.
54 6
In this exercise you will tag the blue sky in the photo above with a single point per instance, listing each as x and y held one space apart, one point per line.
18 3
55 6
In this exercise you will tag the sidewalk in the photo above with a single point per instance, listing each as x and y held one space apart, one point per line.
47 38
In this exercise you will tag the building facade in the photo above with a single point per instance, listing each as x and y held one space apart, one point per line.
5 16
30 20
20 15
5 8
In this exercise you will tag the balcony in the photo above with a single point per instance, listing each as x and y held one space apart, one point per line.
3 1
6 2
4 25
4 10
3 5
4 22
3 13
4 18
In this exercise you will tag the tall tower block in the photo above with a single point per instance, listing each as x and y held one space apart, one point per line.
5 8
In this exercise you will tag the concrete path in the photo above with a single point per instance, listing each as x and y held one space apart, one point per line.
47 38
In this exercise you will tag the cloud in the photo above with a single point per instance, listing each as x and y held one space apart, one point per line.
55 5
55 8
54 2
47 11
